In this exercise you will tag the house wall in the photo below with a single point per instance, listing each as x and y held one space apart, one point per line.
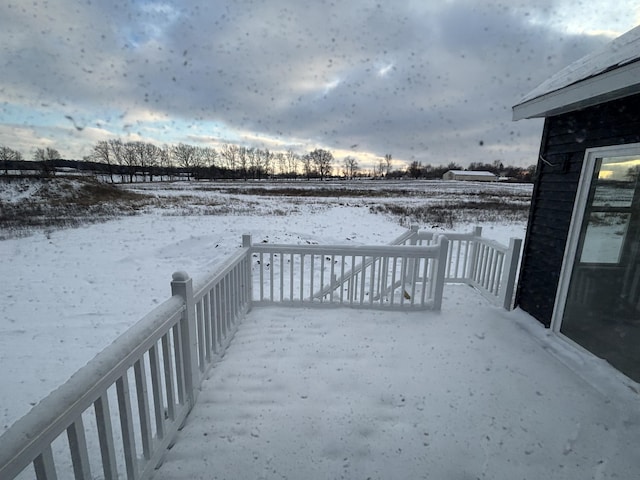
476 178
564 141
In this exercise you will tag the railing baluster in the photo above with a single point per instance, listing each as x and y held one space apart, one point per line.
372 280
363 274
177 350
414 279
169 378
156 389
425 281
207 326
261 269
321 277
143 407
495 281
78 449
291 271
215 329
271 277
342 262
332 276
228 280
200 334
44 465
403 276
352 284
105 437
126 424
220 314
312 263
302 277
488 268
281 257
393 281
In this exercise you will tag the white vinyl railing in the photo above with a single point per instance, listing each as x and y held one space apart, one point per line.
148 379
383 277
487 265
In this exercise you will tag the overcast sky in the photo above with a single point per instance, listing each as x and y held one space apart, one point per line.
426 80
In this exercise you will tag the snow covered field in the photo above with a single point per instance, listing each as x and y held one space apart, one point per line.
487 378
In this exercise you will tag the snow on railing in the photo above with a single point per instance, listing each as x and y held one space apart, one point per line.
482 263
169 351
385 277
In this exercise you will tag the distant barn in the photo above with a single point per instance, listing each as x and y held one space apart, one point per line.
470 176
580 273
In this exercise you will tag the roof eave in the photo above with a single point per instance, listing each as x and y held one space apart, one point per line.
611 85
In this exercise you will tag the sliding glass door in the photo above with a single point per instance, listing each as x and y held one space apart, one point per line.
598 304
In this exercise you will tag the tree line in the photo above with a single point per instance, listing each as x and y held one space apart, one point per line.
131 161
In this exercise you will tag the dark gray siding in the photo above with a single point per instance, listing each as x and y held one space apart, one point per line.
564 141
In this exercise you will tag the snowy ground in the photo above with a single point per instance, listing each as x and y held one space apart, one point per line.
468 393
460 390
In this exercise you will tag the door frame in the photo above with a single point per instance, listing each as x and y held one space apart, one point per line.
577 217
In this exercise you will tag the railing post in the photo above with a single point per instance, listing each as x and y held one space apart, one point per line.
246 243
413 240
182 285
414 234
473 265
438 289
508 277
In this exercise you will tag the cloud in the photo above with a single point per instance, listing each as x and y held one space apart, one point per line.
420 80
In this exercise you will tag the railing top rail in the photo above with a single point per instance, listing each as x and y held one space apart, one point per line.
449 235
203 286
50 417
405 236
390 250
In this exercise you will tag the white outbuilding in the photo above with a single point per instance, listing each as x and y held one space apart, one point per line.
470 175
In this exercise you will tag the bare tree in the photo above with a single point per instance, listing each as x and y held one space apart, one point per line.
292 163
209 156
387 164
307 165
243 162
102 153
152 156
44 156
8 155
230 155
415 169
281 161
39 155
633 173
117 152
130 158
349 167
140 157
52 154
322 160
267 163
255 161
186 156
164 160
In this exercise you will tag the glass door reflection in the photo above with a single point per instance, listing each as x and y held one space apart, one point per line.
602 310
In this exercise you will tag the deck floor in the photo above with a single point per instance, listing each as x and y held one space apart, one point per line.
470 392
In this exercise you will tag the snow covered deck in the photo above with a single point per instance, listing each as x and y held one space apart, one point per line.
469 392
